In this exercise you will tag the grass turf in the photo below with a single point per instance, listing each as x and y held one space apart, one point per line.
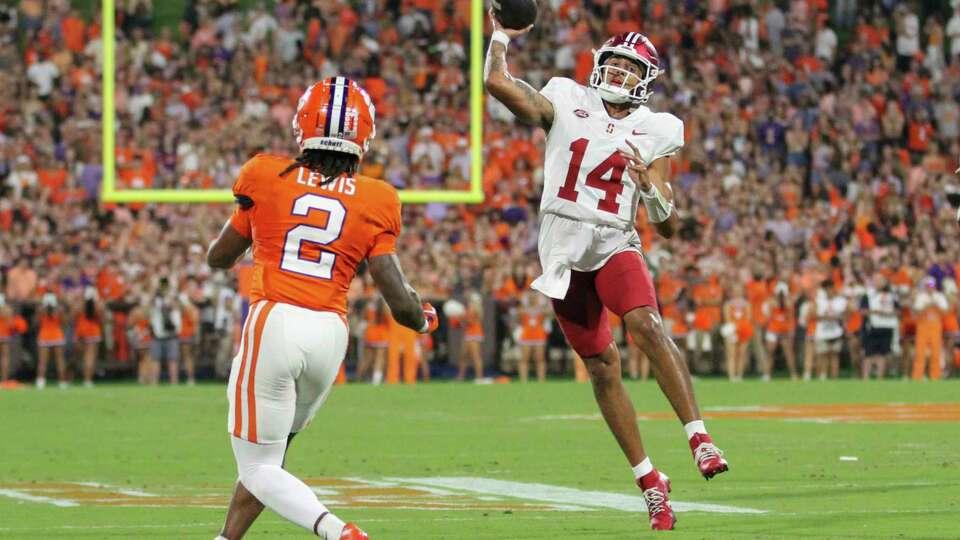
905 484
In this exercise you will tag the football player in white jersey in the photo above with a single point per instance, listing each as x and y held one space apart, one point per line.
589 247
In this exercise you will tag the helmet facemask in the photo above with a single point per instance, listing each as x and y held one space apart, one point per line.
621 93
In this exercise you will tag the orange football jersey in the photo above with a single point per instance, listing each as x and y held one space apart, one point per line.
309 239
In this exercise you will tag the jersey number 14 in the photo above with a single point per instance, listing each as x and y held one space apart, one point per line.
611 187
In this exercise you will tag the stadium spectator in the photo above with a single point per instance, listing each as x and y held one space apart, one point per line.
930 306
472 339
50 338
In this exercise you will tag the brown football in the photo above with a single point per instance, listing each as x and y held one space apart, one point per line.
515 14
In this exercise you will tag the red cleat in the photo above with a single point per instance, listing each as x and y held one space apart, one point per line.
655 488
709 458
352 532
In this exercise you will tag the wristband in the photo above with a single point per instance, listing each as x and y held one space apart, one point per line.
658 208
500 37
426 325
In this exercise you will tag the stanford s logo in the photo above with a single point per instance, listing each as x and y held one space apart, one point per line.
581 113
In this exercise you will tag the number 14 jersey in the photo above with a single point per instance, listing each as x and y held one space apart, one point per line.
308 238
584 174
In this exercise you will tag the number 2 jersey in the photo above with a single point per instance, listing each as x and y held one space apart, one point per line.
584 174
308 238
589 204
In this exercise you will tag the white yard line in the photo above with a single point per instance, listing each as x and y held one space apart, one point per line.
117 489
566 495
20 496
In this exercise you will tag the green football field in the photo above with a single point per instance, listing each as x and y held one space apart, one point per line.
808 460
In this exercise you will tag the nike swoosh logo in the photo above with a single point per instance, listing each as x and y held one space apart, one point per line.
635 132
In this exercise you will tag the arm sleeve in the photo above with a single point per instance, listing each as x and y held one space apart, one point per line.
388 223
240 221
243 194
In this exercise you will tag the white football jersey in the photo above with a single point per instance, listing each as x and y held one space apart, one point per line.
584 174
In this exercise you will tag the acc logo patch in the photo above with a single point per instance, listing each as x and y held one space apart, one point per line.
581 113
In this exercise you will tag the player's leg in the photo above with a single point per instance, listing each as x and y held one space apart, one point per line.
633 359
523 366
323 353
625 287
644 365
583 320
244 508
584 323
264 394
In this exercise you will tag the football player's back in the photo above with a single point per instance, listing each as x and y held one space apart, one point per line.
310 233
310 220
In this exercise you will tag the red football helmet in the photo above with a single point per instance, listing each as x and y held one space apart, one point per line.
636 47
335 114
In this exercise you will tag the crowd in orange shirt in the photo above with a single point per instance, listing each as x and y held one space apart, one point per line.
807 160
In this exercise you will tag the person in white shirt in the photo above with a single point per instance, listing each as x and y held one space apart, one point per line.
831 307
908 36
953 34
826 43
882 320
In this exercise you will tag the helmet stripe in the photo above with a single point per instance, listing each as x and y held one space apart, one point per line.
340 92
326 125
343 107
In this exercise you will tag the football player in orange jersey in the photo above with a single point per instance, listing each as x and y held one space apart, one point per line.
311 221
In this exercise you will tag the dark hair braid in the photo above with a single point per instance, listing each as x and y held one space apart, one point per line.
327 163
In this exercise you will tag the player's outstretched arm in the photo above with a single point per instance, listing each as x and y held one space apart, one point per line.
403 300
528 105
227 248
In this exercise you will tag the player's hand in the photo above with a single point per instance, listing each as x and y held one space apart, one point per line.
636 168
430 314
510 32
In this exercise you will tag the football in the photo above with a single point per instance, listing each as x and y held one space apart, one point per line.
515 14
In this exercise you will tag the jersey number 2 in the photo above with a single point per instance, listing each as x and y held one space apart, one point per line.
613 186
292 260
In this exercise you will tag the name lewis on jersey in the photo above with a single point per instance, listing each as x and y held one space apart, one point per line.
345 184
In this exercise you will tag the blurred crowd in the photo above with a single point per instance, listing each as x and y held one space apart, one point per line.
814 185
